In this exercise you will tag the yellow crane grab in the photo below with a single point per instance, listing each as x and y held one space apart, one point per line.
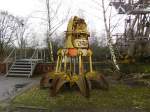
70 62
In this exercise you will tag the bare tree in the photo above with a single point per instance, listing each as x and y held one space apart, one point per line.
109 37
8 27
98 38
53 22
21 35
25 34
109 26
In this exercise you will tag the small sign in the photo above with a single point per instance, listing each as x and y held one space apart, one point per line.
81 43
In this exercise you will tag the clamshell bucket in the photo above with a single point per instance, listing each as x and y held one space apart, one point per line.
70 69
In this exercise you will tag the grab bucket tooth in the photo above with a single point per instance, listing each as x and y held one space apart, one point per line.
84 86
45 81
57 83
97 81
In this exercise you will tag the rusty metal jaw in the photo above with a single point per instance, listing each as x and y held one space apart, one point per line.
60 80
67 74
70 67
84 82
47 78
83 85
97 80
44 82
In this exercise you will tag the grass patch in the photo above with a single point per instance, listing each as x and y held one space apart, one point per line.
108 68
135 68
119 96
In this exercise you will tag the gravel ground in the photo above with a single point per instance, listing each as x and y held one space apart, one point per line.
9 86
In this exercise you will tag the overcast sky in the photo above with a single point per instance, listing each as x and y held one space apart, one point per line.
30 8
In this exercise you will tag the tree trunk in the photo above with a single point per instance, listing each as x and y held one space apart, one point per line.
109 39
49 31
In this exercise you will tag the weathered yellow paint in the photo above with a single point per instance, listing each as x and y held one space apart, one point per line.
76 48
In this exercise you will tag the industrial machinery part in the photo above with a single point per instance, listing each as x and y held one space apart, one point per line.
70 67
134 43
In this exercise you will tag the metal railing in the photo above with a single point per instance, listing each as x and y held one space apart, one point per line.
11 53
34 60
32 55
10 56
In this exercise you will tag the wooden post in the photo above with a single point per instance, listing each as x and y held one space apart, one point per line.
6 67
37 54
44 56
41 55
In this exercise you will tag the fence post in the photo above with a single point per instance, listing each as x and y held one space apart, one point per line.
31 68
37 54
25 53
41 55
15 54
6 67
44 56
